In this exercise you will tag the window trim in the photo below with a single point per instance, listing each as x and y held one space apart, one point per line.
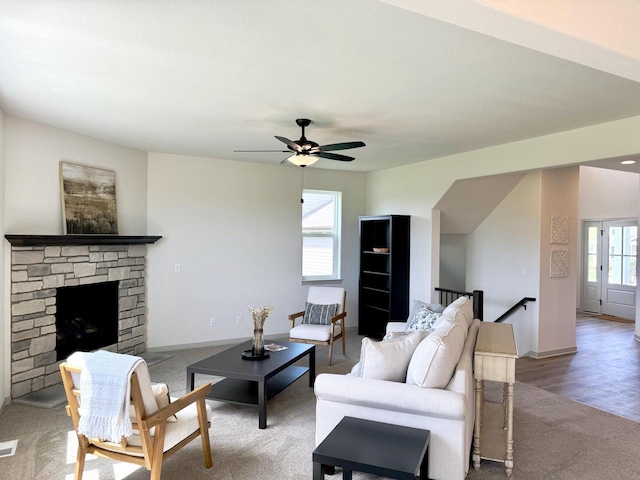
336 235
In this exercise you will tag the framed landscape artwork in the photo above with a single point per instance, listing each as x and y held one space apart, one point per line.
88 200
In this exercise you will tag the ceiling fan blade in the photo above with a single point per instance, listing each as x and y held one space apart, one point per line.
279 151
341 146
332 156
292 145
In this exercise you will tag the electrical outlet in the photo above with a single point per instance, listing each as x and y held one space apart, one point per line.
239 319
212 321
177 268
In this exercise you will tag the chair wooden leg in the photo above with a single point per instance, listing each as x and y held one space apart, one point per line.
82 453
158 447
344 348
330 350
204 433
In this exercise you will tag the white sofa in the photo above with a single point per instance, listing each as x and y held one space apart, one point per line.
447 412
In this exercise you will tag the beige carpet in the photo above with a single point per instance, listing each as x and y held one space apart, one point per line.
555 438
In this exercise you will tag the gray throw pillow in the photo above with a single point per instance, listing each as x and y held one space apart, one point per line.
315 314
423 320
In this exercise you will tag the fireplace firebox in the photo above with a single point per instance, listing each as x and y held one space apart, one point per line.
86 318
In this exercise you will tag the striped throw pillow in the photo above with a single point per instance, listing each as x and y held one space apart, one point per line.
315 314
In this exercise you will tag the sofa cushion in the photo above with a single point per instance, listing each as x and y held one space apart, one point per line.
463 304
316 314
387 360
435 359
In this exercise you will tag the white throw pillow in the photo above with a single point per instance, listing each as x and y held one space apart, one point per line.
161 394
463 304
401 335
435 359
457 318
388 360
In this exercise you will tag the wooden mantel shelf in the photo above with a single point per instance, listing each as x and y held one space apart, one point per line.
41 240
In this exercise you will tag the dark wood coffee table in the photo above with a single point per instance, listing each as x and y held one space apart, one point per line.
254 382
383 449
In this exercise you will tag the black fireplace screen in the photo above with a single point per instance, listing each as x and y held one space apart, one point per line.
86 318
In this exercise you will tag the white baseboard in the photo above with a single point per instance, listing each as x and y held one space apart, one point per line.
225 341
552 353
4 403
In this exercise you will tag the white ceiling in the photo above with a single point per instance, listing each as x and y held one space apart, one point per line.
205 78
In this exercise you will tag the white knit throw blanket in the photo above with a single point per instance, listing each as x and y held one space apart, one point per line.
105 389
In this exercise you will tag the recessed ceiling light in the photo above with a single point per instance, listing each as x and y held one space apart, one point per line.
628 162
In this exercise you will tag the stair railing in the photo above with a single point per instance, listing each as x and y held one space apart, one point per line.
522 303
448 296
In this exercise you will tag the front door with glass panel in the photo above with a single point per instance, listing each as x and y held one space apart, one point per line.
609 285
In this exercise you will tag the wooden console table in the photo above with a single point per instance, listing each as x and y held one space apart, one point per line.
495 357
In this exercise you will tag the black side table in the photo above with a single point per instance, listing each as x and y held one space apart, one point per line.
373 447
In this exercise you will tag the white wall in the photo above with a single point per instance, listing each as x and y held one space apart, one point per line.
453 265
235 229
32 201
415 189
605 194
33 152
498 250
557 302
5 330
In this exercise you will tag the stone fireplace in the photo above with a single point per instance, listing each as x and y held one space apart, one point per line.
39 268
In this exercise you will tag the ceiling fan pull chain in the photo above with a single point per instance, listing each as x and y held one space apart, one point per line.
301 185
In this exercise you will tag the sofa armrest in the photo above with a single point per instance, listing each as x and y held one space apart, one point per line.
396 326
392 396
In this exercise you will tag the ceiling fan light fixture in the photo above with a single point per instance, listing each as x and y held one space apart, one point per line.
306 152
302 160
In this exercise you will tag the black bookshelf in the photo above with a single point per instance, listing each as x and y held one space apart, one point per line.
384 272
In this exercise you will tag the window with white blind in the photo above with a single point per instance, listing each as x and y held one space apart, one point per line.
321 221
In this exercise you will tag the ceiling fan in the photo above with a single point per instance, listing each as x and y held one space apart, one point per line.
305 152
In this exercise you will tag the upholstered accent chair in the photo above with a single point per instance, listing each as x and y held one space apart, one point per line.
322 319
160 427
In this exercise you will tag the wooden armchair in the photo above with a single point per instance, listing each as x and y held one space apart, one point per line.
158 433
331 328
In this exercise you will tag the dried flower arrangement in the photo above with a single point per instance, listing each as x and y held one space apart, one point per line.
259 315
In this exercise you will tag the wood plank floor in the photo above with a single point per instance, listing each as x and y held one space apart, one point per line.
605 373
